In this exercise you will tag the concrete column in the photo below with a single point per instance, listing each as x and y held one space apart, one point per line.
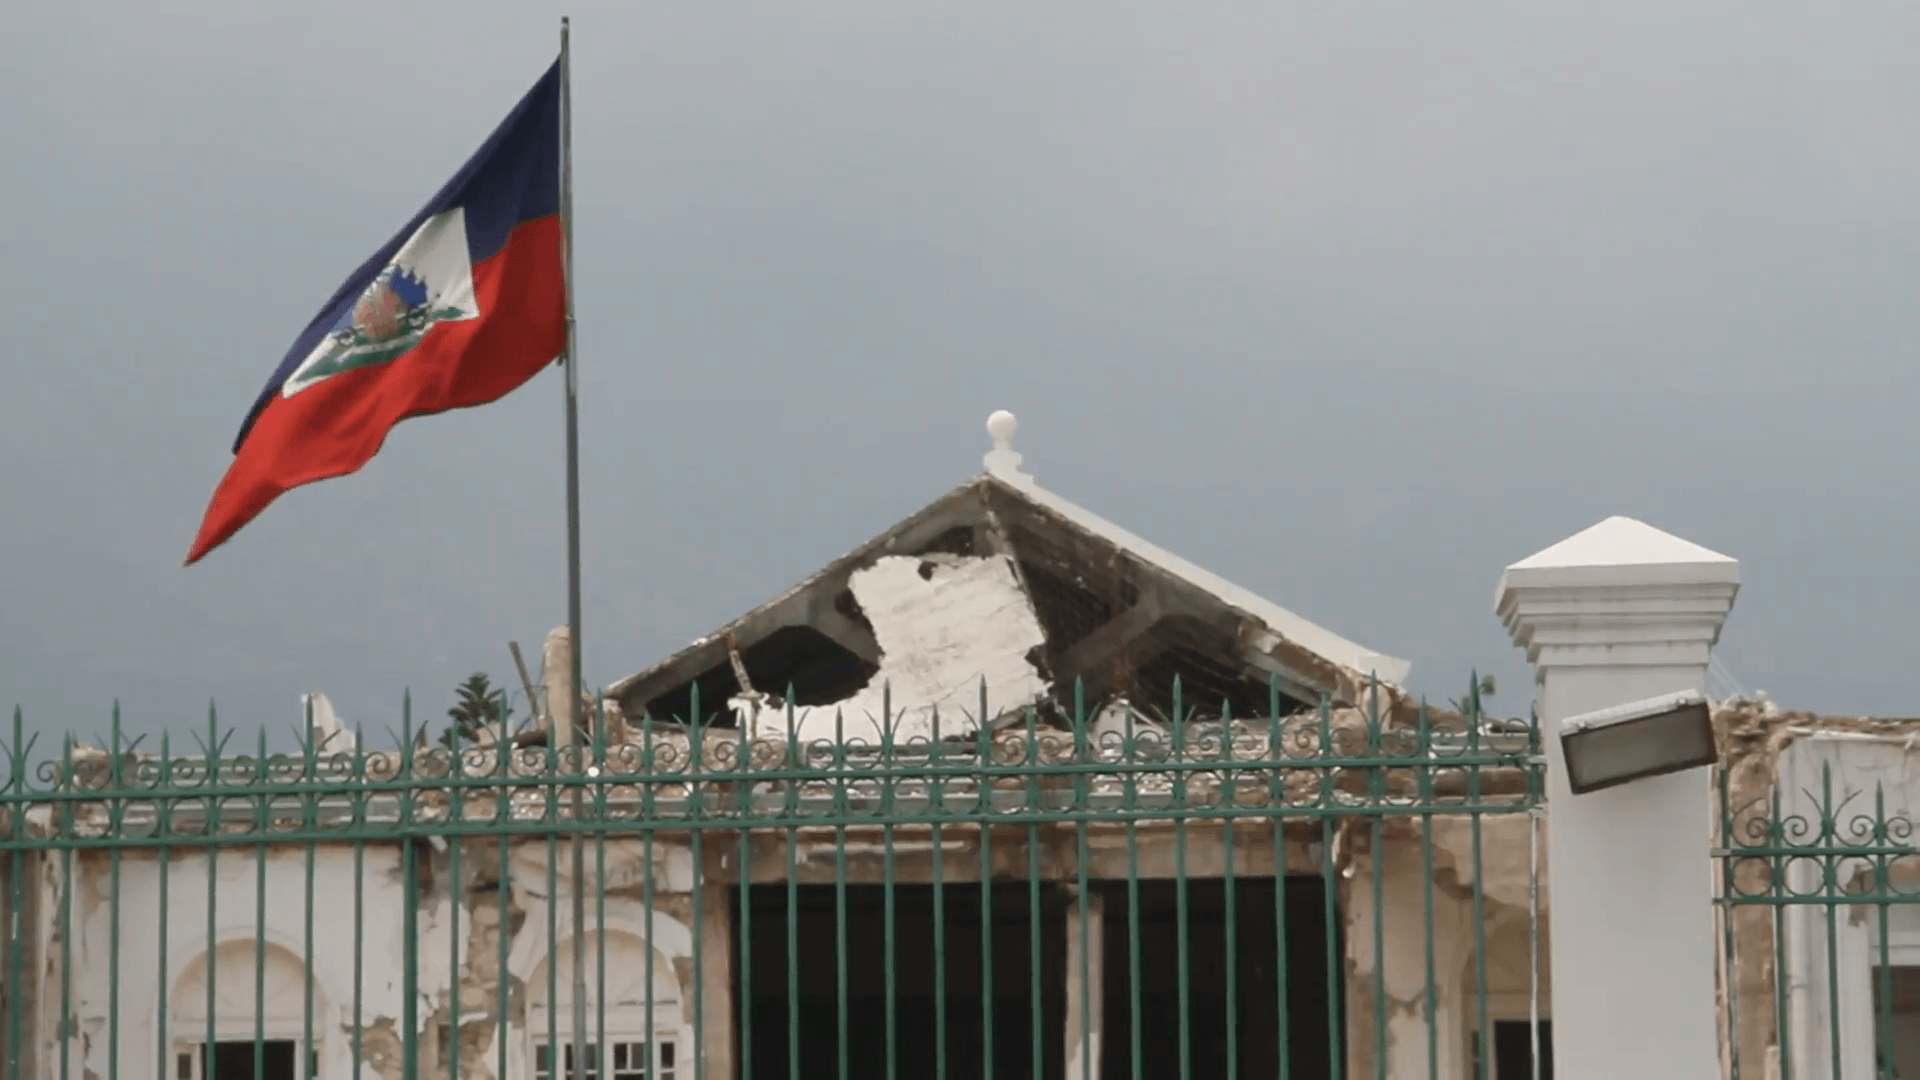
1085 1003
556 664
1612 615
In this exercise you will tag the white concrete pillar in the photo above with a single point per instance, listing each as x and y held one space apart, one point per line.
1616 614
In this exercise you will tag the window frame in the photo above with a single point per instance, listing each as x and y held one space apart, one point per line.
664 1046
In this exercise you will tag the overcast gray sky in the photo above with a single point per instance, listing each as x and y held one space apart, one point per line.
1352 303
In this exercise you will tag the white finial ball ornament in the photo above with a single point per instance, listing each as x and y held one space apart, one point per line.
1003 461
1001 426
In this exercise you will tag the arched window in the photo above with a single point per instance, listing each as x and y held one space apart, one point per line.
268 1029
645 1037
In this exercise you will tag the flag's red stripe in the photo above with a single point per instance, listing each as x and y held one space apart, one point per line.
334 427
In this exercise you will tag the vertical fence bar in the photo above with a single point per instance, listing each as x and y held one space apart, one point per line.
116 820
360 809
1484 1025
888 811
1777 888
455 812
795 766
260 828
983 761
560 1054
695 812
210 1065
1830 886
1131 802
649 808
66 917
842 1039
1277 802
1377 842
744 787
502 896
1533 943
410 897
163 825
16 877
1182 930
1083 895
1036 1023
598 773
1883 971
1423 740
309 823
1330 894
1229 788
938 804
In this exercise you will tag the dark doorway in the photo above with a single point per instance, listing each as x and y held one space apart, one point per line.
1251 1004
234 1061
810 929
1513 1050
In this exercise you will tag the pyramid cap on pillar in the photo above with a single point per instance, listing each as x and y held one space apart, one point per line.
1622 551
1617 582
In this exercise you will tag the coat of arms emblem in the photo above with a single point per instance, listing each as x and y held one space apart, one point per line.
429 281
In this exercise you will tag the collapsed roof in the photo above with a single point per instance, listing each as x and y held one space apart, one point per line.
1001 585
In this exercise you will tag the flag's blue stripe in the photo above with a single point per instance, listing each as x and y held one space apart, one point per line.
513 178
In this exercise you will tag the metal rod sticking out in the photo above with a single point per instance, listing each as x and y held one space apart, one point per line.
575 725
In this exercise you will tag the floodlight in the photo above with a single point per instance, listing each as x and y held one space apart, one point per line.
1660 735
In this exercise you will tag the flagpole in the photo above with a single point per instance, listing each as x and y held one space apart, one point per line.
575 726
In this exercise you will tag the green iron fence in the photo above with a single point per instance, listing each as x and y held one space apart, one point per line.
1322 893
1819 916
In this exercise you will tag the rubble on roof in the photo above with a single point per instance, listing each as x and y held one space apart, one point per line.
952 629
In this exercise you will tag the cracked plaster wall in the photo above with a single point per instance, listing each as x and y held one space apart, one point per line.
1458 960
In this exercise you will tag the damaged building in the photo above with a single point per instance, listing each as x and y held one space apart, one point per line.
1819 879
1007 786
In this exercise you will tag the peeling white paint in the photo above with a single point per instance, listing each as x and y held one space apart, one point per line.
944 624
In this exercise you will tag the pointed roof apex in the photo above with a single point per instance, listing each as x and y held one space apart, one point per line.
1620 541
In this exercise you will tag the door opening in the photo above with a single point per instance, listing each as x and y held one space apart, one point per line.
811 931
1252 1004
234 1060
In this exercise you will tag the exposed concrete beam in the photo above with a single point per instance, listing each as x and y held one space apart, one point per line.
849 634
1293 682
808 604
1112 636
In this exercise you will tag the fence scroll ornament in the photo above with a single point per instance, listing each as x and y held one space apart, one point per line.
1815 887
1324 761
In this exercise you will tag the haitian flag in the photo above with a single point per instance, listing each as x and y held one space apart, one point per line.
464 304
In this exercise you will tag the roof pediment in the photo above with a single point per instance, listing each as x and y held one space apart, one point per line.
1005 591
